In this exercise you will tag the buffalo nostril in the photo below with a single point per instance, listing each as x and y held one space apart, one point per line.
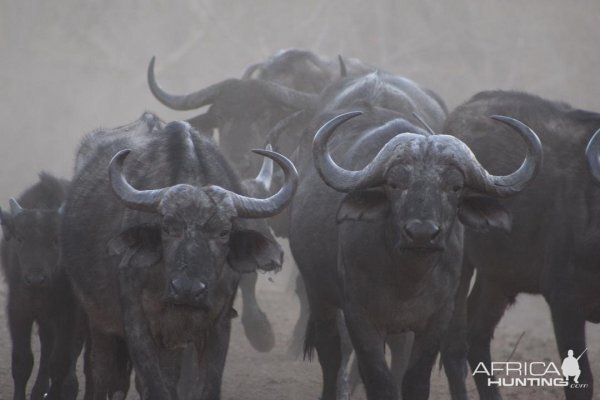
435 230
421 231
34 280
198 289
176 287
410 229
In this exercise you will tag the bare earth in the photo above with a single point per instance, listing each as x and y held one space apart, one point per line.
275 376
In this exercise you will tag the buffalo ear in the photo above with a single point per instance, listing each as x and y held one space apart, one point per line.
139 246
363 205
482 213
251 250
7 225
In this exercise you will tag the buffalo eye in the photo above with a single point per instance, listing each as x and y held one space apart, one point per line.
398 178
172 227
224 234
453 181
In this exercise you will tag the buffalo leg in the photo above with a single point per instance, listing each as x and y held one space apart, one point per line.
142 347
369 345
109 373
354 376
170 365
454 345
569 328
67 347
212 353
343 388
87 367
42 382
295 348
322 334
189 378
486 305
22 357
417 379
255 322
400 347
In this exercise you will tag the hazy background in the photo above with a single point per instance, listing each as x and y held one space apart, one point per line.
70 66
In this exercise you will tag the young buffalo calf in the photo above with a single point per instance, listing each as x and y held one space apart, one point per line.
39 292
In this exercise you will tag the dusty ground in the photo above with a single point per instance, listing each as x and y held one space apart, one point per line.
274 376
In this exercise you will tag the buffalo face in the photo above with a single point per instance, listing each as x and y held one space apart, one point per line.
423 201
420 184
34 236
200 232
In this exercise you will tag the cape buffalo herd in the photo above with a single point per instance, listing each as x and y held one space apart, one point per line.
413 228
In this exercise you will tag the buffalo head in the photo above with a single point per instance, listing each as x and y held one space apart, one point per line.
421 183
199 232
241 109
34 237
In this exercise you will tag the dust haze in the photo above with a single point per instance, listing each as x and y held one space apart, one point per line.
68 67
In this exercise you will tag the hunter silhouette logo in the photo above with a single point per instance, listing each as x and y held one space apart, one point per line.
533 373
570 366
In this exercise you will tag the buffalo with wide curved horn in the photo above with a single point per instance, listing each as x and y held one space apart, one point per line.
289 97
246 207
477 178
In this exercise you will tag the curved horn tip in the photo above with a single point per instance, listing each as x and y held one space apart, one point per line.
351 114
151 68
515 123
344 117
328 128
269 147
504 118
516 181
263 152
343 69
15 207
119 158
511 121
280 159
594 141
592 153
269 153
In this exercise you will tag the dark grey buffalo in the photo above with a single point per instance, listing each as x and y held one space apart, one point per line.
552 248
255 322
155 250
244 111
381 237
38 291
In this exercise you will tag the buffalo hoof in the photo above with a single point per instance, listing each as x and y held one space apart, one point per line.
258 330
39 391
